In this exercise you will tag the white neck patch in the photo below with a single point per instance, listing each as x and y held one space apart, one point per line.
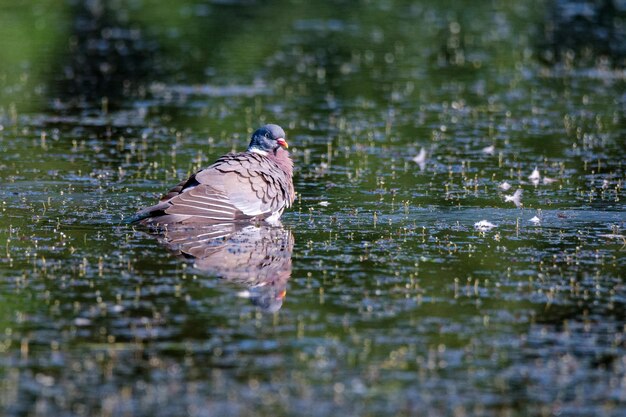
259 151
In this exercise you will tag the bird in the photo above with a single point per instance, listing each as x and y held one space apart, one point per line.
251 186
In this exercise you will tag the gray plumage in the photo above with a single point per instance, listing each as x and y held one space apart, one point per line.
247 186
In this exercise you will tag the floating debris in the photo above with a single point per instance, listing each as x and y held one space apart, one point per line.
535 176
324 203
484 225
82 321
489 150
117 308
548 181
535 220
244 294
420 159
505 186
515 198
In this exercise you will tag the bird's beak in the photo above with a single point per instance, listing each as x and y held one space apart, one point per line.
282 142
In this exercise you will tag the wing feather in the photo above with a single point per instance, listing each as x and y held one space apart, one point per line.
236 187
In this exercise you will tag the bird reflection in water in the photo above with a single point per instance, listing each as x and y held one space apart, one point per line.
257 256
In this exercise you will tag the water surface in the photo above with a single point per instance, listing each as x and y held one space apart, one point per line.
378 295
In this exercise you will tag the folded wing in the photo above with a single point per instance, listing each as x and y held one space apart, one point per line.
236 187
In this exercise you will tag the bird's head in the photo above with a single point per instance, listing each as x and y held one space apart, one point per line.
268 138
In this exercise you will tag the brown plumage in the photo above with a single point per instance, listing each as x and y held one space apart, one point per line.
247 186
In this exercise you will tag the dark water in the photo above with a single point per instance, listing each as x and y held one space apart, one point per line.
379 295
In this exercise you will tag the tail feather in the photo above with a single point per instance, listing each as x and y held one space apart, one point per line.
135 218
153 211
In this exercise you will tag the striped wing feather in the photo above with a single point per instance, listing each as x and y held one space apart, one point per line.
236 187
